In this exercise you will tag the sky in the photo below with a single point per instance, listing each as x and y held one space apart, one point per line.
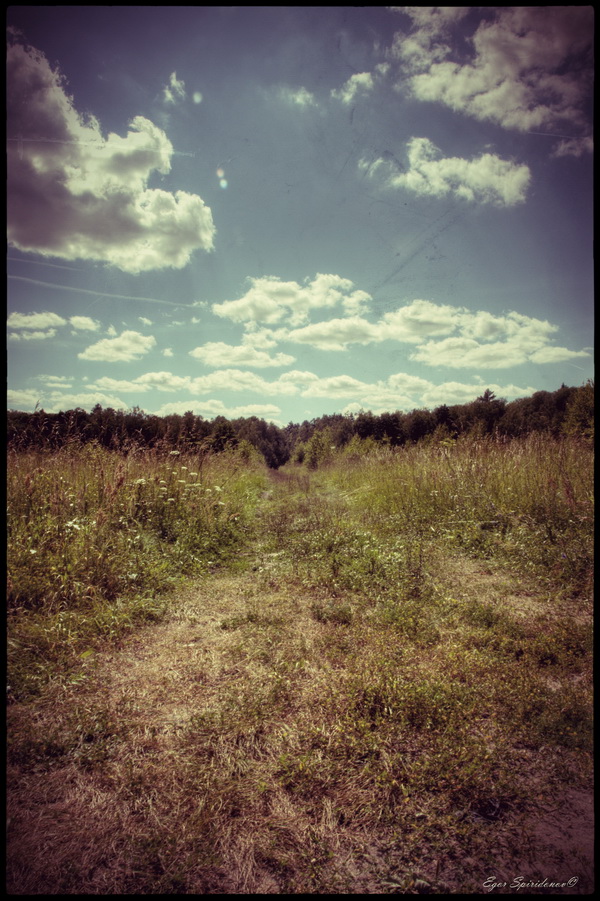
287 212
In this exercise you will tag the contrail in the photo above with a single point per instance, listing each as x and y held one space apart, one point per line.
34 281
40 263
548 134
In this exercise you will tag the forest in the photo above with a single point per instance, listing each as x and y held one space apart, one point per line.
567 411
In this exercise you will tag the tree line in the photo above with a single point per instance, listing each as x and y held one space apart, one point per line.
569 410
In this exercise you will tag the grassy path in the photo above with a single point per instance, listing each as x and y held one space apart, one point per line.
277 734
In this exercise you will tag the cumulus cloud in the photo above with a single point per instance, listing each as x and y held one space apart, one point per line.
529 66
32 336
37 326
85 400
573 147
35 320
126 347
460 353
400 391
442 334
238 380
485 179
336 334
461 393
550 354
159 381
84 323
419 319
55 401
212 408
174 92
299 97
361 83
270 300
21 400
74 194
55 381
219 354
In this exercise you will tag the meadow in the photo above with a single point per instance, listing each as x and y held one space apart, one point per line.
369 675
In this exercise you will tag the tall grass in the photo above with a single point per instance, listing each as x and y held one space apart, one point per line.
528 502
381 701
96 538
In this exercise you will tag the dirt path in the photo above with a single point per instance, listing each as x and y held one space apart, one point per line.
108 794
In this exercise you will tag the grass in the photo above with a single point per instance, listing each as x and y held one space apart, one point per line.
378 701
96 540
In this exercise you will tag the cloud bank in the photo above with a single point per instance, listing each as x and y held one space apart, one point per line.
529 67
75 194
487 179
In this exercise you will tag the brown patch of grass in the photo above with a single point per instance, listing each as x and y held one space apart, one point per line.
352 714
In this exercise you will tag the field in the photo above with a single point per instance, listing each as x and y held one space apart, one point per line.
372 676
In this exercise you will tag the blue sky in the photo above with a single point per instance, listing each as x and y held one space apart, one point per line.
293 211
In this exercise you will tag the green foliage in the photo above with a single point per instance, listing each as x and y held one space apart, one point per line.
318 449
579 419
90 533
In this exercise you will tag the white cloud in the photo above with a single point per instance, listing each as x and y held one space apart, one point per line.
573 147
144 320
174 92
84 323
551 354
106 383
86 401
485 179
336 386
299 97
164 381
167 352
458 393
21 400
425 43
462 353
517 75
212 408
262 338
336 334
61 380
219 354
299 377
270 300
361 82
128 346
32 336
55 381
74 194
159 381
35 320
419 319
238 380
471 339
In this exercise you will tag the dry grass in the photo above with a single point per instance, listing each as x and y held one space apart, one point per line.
351 714
214 753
